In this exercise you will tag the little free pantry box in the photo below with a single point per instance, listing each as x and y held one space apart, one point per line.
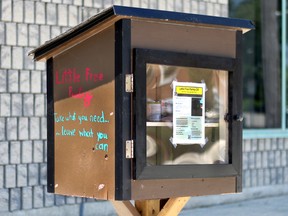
145 104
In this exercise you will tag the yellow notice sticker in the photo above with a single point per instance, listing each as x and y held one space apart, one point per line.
189 90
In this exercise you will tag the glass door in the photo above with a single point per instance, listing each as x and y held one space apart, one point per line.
180 115
183 110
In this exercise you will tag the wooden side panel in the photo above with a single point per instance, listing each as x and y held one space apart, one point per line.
159 189
84 110
183 38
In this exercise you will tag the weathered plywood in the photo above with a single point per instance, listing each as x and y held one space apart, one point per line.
84 114
158 189
183 38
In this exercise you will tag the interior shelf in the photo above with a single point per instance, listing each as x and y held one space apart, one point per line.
170 124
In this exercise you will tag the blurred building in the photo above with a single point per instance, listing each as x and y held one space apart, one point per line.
26 24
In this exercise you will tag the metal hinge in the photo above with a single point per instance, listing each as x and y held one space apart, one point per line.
129 82
129 149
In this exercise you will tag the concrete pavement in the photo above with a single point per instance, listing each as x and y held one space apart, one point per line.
269 206
260 201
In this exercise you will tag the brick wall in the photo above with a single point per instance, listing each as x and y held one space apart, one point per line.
24 25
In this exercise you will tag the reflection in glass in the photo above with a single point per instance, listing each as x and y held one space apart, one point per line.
261 62
160 148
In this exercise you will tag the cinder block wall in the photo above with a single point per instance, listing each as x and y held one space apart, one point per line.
265 162
26 24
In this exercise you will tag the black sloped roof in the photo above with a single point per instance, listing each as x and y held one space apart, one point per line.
115 13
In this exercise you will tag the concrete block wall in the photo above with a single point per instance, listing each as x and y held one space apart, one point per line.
265 162
26 24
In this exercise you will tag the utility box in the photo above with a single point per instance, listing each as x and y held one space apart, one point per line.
145 104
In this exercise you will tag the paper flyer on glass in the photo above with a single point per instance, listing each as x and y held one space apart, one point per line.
188 113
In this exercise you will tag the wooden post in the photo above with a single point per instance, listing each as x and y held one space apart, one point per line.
174 206
125 208
150 207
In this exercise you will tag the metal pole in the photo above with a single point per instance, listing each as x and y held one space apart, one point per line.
283 64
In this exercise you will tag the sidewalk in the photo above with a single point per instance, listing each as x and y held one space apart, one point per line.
260 201
276 206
